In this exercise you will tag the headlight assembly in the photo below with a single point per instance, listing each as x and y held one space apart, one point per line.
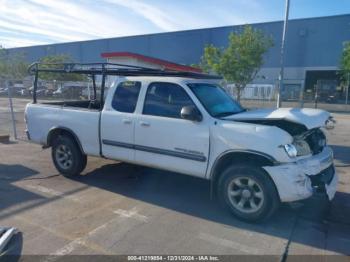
298 148
302 147
291 150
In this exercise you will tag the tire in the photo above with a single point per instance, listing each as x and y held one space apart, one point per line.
248 193
67 156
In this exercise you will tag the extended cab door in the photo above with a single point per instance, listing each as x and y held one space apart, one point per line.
118 121
163 139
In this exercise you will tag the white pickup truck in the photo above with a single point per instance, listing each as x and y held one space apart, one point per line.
186 123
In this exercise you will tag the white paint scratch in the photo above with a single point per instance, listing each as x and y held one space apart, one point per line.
65 250
82 241
52 192
132 213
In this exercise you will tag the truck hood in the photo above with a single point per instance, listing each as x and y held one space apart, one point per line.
310 118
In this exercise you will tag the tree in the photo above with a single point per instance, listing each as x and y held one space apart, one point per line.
345 62
12 65
241 60
345 68
54 62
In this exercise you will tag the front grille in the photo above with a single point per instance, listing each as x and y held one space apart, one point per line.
316 141
324 177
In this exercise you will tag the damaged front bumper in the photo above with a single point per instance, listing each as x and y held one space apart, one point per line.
300 179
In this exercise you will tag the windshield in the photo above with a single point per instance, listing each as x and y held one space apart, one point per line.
215 100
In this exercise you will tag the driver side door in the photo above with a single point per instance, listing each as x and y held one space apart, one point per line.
163 139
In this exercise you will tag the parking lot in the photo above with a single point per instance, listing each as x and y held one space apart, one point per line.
118 208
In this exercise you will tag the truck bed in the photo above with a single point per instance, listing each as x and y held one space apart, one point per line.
84 122
87 104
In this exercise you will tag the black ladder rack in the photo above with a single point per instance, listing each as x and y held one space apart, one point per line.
105 69
112 69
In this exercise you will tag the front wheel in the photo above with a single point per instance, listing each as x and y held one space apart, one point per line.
248 192
67 156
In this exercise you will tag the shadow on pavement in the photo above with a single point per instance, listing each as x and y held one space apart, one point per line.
341 154
15 195
190 195
340 209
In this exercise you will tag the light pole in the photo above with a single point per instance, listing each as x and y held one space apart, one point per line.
347 89
11 109
281 75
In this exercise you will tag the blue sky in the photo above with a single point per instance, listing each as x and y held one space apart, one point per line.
35 22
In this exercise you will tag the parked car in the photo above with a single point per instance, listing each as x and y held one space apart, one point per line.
49 92
186 123
68 91
3 91
41 91
58 92
23 92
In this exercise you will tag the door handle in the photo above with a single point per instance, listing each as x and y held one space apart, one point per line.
143 123
126 121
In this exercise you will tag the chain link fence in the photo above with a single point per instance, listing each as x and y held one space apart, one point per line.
11 110
16 93
326 95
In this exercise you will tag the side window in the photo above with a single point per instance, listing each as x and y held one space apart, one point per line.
125 96
165 99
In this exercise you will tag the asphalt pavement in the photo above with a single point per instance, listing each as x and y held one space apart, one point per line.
118 208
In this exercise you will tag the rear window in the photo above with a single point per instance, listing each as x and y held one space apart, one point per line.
125 96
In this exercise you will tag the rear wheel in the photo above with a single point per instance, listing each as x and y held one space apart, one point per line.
248 192
67 156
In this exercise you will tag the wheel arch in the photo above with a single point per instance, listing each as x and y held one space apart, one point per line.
238 156
61 130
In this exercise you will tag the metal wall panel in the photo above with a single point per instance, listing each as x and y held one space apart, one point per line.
312 42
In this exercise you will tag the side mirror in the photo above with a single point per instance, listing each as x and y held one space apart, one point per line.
191 113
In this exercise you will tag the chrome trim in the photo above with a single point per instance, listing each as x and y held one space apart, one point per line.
119 144
171 153
156 150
